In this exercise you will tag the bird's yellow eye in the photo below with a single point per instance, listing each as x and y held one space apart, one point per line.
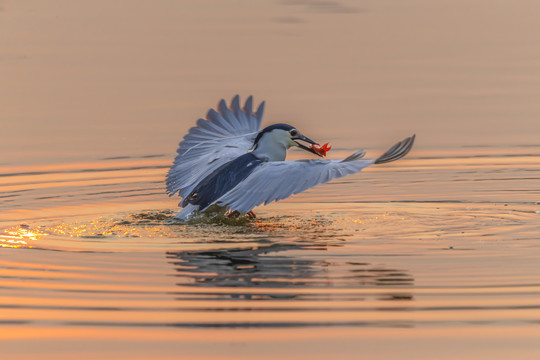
293 132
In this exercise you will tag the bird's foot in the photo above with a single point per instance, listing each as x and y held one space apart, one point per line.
232 213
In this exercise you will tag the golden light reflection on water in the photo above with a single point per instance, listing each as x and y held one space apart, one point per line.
103 227
151 226
143 225
288 224
19 237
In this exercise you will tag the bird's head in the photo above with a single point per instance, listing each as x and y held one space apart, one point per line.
283 135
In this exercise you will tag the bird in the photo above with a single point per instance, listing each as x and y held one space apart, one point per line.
226 160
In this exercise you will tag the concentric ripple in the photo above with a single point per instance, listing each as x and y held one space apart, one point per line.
392 253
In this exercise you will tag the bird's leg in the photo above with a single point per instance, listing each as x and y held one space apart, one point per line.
232 213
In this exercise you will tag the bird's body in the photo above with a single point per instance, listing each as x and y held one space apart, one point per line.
222 180
226 160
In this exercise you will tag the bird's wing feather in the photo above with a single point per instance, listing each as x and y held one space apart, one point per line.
273 181
224 135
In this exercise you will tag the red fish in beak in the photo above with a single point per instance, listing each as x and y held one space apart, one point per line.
321 150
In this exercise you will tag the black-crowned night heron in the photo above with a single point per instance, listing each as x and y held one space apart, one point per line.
225 160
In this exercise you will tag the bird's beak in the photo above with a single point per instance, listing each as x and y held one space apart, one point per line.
301 146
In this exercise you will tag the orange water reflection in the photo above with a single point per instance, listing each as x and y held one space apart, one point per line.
20 237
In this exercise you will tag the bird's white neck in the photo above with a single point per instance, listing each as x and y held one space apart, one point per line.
272 147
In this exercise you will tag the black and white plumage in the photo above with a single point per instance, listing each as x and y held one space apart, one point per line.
226 160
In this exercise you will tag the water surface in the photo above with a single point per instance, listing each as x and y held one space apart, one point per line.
394 258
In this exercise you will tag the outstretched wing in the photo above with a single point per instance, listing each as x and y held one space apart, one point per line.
273 181
224 135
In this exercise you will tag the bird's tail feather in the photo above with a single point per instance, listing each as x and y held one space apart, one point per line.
397 151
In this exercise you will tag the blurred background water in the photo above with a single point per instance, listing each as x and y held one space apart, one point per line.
434 256
112 78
